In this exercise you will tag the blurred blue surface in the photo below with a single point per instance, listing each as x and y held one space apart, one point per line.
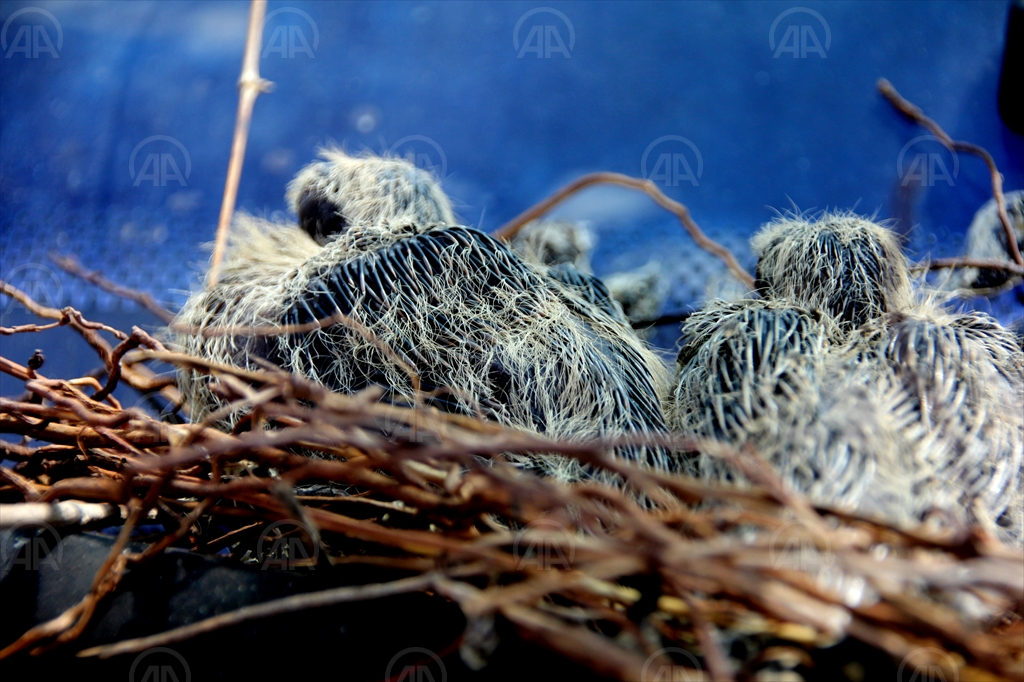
84 86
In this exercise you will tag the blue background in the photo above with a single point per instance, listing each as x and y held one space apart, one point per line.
774 130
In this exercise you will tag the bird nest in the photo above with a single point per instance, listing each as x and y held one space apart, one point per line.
683 580
713 582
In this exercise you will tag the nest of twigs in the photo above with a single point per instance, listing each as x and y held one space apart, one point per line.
581 569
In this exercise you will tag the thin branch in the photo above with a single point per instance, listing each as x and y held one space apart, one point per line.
137 338
267 609
66 315
15 370
264 330
913 112
250 86
72 266
33 307
22 328
70 513
599 653
509 229
14 451
140 378
718 663
31 490
982 263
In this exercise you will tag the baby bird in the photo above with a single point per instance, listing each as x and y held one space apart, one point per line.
986 239
486 333
554 242
760 372
863 393
962 378
341 191
641 292
841 264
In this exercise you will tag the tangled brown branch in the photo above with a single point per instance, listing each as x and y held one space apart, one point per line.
719 558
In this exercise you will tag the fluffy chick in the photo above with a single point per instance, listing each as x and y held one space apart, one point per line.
487 333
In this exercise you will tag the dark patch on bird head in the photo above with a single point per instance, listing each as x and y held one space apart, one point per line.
320 217
853 274
860 291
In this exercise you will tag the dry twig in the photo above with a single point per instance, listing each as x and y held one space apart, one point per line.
710 580
509 229
914 113
250 86
267 609
72 266
964 262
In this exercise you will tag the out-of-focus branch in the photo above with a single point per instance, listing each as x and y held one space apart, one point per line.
912 111
981 263
250 86
72 266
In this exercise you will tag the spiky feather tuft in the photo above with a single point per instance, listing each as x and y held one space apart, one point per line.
342 192
487 333
840 263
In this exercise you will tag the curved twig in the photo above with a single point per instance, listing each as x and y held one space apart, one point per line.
508 230
296 602
913 112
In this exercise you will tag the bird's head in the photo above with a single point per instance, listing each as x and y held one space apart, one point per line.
341 191
840 263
